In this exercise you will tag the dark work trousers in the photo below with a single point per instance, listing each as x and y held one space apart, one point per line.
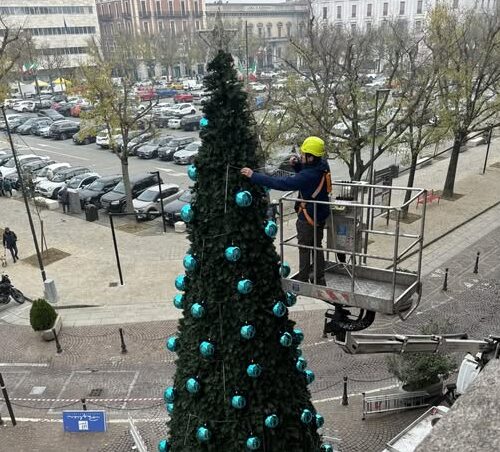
305 236
65 206
13 251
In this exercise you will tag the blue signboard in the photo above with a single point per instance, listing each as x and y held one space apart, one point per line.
84 421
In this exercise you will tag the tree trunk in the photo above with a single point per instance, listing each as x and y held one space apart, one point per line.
449 184
129 208
411 180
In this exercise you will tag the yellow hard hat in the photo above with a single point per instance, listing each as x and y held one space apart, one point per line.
314 146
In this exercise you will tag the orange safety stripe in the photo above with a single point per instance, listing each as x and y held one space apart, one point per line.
303 206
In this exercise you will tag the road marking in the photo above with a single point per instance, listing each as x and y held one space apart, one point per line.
131 386
63 389
24 365
110 421
61 153
171 172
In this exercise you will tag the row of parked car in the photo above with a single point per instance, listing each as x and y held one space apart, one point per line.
47 178
66 106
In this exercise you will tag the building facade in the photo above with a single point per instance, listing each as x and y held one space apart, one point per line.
269 26
61 29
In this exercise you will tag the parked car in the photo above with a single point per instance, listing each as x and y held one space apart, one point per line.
16 122
165 92
138 138
167 152
147 204
52 114
174 123
64 108
188 154
180 110
183 97
149 149
40 124
42 103
102 138
191 122
25 129
29 169
10 118
9 167
114 201
146 94
24 106
87 135
61 130
161 118
173 209
200 97
92 193
50 188
4 158
49 171
44 131
81 180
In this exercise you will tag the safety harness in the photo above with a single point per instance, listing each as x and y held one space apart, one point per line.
325 179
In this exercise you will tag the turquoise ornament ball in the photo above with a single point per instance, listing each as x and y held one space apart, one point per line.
320 420
238 402
254 370
180 282
243 198
309 376
290 299
179 301
197 311
326 447
247 331
172 343
190 263
203 434
286 340
271 229
192 385
232 253
207 349
272 421
306 416
298 336
170 408
187 213
301 364
169 394
285 270
192 172
203 122
253 443
279 309
244 286
163 446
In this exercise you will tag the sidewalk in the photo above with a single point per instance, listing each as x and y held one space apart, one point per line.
87 278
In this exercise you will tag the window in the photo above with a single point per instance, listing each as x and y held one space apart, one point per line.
259 30
183 8
339 12
197 24
288 29
158 6
172 27
196 8
143 6
419 6
369 10
418 25
171 8
325 12
160 26
127 8
368 26
146 27
278 52
353 11
280 27
385 11
184 25
353 28
269 30
401 8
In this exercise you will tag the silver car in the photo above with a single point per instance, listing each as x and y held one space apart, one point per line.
188 154
147 204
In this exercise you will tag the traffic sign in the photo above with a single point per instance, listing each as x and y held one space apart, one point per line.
84 421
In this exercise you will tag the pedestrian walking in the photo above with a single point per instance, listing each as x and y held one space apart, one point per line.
6 187
1 186
9 241
64 197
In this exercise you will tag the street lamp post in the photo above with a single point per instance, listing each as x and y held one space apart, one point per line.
161 201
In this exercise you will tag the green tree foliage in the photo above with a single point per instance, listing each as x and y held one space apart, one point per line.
42 315
229 143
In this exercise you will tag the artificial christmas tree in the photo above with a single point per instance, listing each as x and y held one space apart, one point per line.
241 382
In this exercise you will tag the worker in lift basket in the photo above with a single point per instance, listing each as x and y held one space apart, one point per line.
312 180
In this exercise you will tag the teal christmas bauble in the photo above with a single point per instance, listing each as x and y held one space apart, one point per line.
247 331
203 122
197 311
253 443
190 262
306 416
279 309
192 385
180 282
163 446
286 340
243 198
170 408
298 336
244 286
285 270
238 402
187 213
172 343
179 301
232 253
271 229
326 447
290 299
203 434
272 421
169 394
207 349
301 364
319 420
192 172
254 370
309 376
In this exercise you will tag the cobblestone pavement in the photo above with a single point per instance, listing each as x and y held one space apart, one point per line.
91 360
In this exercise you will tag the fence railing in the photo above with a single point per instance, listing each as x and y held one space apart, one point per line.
394 402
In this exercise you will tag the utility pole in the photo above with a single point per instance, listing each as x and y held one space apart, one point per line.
23 191
160 200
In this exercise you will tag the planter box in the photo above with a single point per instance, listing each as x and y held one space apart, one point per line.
48 335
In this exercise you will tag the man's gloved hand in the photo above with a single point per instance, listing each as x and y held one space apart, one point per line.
247 172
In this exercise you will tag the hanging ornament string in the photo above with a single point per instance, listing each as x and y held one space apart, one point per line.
226 188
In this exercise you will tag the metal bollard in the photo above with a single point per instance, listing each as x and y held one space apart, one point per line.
84 404
124 347
58 345
476 265
345 400
445 283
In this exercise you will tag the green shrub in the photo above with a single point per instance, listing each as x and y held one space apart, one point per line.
42 315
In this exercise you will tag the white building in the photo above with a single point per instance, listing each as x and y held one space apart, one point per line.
61 29
364 14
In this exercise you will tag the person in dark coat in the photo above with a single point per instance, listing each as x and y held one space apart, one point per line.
312 180
64 197
9 241
6 187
